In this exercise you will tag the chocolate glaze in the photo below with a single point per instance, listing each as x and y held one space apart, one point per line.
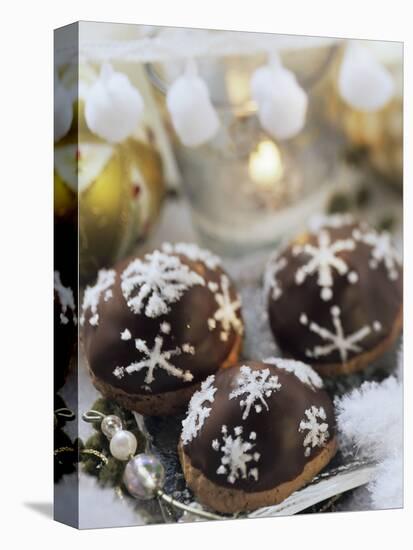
278 439
188 317
373 298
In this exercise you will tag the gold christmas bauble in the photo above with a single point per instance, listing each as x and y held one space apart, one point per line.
110 193
119 189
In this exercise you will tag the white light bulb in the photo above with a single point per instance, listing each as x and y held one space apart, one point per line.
363 82
113 107
282 103
193 116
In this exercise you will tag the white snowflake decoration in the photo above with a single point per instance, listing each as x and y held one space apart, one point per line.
160 280
106 279
154 358
66 299
197 411
314 423
236 455
323 260
303 372
194 253
254 386
226 314
271 282
382 251
337 341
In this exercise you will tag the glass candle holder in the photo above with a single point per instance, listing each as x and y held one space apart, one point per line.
247 190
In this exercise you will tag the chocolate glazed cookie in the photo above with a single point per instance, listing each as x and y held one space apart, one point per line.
335 296
156 326
255 433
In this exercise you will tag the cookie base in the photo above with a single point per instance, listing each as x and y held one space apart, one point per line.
159 404
364 359
231 501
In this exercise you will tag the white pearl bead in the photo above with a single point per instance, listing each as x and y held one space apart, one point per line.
143 476
110 425
123 445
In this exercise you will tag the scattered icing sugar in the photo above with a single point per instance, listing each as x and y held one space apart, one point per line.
382 251
66 300
213 287
317 432
106 279
197 411
335 221
125 335
119 372
323 260
236 455
212 324
154 358
353 277
337 341
160 280
188 348
271 283
108 295
226 314
254 386
165 327
193 252
377 326
303 372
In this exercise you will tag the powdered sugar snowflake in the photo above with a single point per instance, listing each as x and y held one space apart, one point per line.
197 411
226 314
382 251
236 455
271 282
254 386
106 279
66 300
323 260
303 372
317 432
337 341
193 252
160 280
154 358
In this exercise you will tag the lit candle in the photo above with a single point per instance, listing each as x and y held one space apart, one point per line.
265 165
